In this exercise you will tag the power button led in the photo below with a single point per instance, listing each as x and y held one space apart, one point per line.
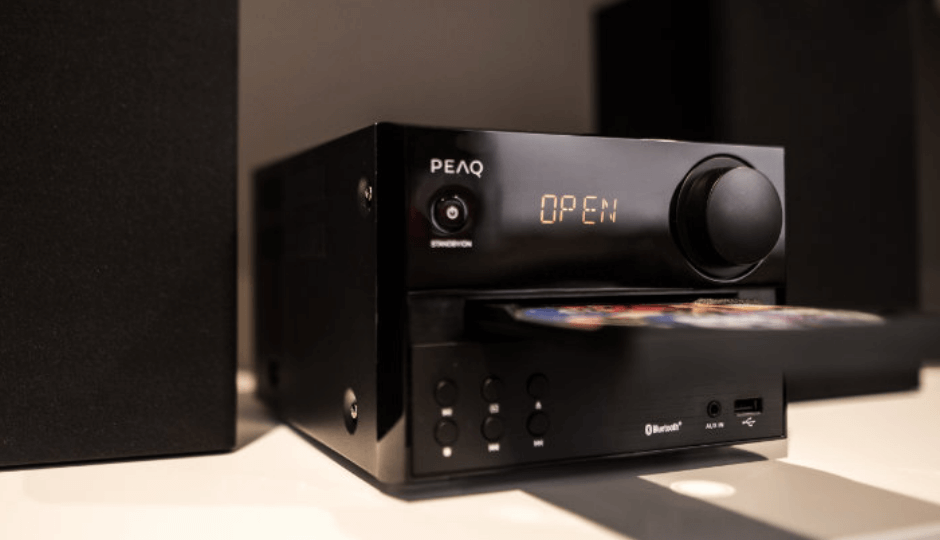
450 213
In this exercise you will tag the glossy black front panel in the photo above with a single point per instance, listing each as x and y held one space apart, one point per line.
584 394
558 211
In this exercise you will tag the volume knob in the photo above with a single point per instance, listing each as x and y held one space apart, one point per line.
727 217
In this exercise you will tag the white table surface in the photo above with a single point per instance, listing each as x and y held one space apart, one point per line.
864 467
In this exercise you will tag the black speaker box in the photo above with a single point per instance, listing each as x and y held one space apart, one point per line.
832 82
117 229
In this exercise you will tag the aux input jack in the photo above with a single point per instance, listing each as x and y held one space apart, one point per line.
713 409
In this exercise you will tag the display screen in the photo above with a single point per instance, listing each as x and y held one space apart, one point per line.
586 209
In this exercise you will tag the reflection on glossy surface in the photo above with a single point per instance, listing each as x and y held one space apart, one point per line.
703 489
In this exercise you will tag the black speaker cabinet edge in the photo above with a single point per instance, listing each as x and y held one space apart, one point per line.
117 229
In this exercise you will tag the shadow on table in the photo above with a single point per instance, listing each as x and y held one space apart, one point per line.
760 499
716 493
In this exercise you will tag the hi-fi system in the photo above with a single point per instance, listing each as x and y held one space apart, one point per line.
404 275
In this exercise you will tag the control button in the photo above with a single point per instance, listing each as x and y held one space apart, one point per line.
450 213
537 424
445 432
538 386
492 428
492 388
445 393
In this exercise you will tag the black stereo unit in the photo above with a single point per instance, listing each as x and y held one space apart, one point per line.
391 264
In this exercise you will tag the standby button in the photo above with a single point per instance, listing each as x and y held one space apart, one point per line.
450 213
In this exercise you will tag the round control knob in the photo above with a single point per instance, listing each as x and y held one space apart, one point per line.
727 217
450 213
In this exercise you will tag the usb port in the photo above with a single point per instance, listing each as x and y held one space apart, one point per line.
748 406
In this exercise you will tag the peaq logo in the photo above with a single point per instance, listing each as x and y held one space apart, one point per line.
457 166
